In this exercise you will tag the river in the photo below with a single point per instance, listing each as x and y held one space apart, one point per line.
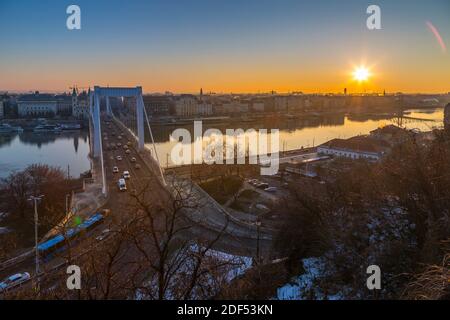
70 150
309 131
67 150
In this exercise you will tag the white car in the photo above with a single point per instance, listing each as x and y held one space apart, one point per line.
128 151
271 189
121 184
126 175
14 280
105 234
115 169
119 158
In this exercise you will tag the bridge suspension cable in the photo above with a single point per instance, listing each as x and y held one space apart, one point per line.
154 147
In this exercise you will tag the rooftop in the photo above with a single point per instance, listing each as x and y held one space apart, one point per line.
358 144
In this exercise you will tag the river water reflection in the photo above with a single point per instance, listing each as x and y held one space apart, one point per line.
311 131
71 149
67 150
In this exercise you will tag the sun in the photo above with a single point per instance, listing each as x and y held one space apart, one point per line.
361 74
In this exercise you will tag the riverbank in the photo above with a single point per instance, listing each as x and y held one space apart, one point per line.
31 124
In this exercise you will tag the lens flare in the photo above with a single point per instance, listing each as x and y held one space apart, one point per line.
437 36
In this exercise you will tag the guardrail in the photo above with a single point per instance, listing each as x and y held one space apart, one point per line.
15 260
228 215
219 207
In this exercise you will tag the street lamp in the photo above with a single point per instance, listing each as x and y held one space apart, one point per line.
67 203
258 231
36 221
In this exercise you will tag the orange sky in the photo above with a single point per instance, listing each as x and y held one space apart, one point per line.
298 46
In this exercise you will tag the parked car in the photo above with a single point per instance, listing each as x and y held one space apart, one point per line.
121 184
137 166
128 151
115 169
119 158
126 175
129 143
14 281
133 159
271 189
119 144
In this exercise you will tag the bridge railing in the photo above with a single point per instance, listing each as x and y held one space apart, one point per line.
20 258
219 207
264 231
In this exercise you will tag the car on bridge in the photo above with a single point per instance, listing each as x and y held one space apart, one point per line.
14 281
121 184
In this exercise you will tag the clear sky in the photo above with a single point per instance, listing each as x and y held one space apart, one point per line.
225 45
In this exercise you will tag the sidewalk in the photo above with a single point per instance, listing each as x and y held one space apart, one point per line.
84 203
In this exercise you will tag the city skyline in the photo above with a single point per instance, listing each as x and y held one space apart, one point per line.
226 47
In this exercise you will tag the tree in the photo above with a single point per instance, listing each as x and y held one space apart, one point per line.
149 255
